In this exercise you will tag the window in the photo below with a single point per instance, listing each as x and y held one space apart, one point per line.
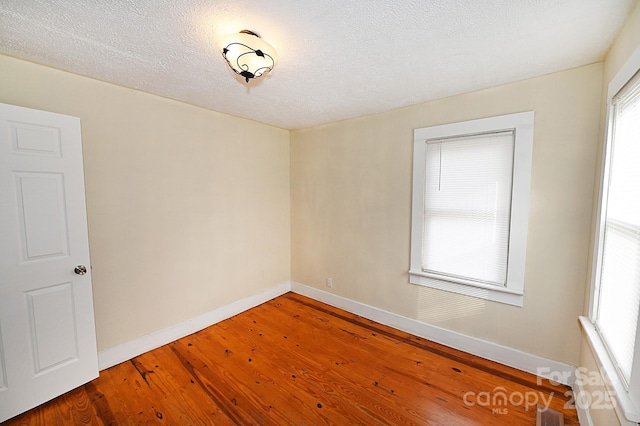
616 314
470 206
612 329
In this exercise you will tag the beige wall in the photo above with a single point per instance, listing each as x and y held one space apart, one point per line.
626 42
351 211
188 209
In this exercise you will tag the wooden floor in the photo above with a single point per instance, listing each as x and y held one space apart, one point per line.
297 361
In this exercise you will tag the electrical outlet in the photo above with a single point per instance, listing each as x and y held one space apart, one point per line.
330 282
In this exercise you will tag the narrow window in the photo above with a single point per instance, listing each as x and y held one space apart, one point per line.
612 327
619 278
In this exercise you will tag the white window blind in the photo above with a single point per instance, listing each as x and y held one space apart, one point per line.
467 204
619 281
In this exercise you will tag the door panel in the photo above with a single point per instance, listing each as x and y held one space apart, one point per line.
53 328
34 139
47 333
41 215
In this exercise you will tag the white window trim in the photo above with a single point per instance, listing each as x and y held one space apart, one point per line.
627 405
624 406
513 293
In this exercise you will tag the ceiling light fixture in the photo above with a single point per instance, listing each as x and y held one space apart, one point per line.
248 55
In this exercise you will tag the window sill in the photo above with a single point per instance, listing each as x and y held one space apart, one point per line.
625 407
482 291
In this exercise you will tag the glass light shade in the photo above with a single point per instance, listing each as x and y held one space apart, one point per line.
248 55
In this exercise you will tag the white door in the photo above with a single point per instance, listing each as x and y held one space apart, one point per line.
47 331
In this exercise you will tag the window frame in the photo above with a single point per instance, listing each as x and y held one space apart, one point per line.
627 400
522 124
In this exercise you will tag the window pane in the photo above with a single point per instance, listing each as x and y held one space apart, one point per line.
619 286
467 207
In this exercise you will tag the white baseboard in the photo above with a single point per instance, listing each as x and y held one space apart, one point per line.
512 357
537 365
126 351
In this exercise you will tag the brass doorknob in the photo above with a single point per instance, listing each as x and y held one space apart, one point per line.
80 270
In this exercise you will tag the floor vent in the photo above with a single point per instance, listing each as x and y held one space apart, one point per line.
548 417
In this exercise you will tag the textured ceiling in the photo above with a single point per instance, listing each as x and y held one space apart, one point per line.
337 58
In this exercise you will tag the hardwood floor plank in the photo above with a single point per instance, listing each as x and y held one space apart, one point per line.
71 408
489 372
129 396
321 365
253 383
461 357
182 397
101 406
379 379
294 360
